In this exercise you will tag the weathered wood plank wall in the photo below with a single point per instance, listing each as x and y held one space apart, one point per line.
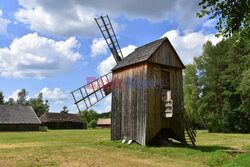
128 117
155 120
164 59
166 56
136 112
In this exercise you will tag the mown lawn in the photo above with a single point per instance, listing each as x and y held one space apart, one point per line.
93 148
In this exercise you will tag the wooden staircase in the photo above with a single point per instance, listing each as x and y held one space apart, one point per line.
88 95
190 132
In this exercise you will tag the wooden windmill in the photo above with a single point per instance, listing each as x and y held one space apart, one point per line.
147 93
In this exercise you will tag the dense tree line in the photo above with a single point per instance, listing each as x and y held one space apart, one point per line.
217 87
38 104
90 117
41 106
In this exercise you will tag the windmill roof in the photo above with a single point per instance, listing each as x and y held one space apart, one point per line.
60 117
142 53
17 114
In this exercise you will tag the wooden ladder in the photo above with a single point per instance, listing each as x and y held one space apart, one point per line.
88 95
190 132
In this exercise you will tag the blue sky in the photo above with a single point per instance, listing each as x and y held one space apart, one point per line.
51 46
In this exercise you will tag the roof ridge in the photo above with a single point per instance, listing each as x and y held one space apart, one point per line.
151 42
60 113
161 40
34 113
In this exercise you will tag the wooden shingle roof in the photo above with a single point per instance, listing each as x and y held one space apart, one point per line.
17 114
60 117
143 53
104 121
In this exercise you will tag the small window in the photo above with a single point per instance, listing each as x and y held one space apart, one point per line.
166 79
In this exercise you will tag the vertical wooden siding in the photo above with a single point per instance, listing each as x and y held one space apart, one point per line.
128 117
155 121
165 55
136 113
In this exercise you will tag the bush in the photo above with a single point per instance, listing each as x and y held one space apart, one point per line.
85 124
92 124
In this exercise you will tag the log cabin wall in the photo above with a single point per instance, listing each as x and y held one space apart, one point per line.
128 117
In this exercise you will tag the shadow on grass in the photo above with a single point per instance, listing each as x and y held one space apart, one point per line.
209 148
175 145
199 147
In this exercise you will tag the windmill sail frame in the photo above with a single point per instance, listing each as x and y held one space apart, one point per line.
103 89
108 33
98 89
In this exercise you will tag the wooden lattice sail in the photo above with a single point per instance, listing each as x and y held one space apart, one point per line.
96 90
88 95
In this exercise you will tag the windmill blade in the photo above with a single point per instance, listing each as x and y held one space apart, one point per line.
88 95
108 33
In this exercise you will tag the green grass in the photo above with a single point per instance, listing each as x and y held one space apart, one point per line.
240 161
94 148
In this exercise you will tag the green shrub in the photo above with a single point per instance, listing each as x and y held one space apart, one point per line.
85 124
92 124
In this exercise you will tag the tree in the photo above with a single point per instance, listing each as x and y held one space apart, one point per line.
85 124
244 87
232 15
22 96
65 110
92 124
1 98
192 95
89 115
221 85
244 90
10 101
39 105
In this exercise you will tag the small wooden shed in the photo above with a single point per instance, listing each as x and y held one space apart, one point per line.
147 97
104 123
18 118
61 121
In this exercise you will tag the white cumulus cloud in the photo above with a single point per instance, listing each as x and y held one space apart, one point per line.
189 45
65 18
3 24
14 95
55 94
58 102
106 65
62 19
33 56
209 23
107 104
98 47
